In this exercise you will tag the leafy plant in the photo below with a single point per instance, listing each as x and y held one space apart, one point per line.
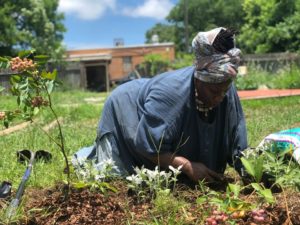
146 181
182 60
166 206
283 168
229 202
288 78
254 167
227 207
153 64
273 163
95 176
263 192
33 85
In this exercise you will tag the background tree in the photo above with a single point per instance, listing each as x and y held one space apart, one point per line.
165 32
270 26
202 15
32 24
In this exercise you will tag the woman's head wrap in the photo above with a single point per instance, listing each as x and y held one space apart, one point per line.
213 66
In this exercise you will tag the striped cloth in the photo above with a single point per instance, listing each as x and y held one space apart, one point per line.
284 140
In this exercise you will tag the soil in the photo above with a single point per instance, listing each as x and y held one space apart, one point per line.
84 206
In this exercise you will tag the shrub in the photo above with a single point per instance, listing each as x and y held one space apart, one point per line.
288 78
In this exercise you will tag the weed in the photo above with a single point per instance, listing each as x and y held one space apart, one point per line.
95 177
146 181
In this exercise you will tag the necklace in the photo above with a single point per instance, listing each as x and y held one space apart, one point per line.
200 105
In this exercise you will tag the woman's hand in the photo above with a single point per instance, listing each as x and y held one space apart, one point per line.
198 171
194 170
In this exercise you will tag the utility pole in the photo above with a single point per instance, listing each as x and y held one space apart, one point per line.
186 23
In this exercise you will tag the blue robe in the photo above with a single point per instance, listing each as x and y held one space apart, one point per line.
158 115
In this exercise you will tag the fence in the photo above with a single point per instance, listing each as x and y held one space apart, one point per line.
271 62
5 75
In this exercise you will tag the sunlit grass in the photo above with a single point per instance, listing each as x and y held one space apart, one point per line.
80 123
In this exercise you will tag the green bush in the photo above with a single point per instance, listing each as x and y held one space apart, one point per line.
253 79
154 64
183 60
287 79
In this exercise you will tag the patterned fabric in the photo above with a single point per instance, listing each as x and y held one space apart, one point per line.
284 140
213 67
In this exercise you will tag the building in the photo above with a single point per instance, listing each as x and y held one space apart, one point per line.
96 69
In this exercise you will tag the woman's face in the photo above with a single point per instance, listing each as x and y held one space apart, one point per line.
212 94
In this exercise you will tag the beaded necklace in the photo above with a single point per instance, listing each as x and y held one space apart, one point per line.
200 105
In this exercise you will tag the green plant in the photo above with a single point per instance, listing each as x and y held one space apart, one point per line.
166 206
228 202
222 207
95 176
265 193
33 85
146 181
277 165
282 167
254 166
182 60
254 78
287 78
153 64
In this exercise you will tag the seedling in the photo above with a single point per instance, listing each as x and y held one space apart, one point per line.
33 84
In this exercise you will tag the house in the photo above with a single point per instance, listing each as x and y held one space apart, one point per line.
96 69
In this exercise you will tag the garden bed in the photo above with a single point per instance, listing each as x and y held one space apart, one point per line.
83 206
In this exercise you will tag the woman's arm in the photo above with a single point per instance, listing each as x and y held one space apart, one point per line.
194 170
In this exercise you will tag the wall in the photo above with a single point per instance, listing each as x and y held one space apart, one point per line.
137 53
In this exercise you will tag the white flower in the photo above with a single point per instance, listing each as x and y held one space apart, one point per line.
175 171
135 179
99 177
109 162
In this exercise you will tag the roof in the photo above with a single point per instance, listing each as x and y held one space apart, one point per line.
166 44
88 57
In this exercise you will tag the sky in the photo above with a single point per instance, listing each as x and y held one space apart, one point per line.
96 23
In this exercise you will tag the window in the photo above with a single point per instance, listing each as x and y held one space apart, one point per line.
127 64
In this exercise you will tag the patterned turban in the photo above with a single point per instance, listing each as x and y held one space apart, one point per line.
211 65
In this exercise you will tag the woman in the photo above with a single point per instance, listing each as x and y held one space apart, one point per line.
190 117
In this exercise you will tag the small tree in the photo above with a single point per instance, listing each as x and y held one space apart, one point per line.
153 65
33 85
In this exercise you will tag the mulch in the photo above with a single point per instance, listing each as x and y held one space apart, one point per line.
83 206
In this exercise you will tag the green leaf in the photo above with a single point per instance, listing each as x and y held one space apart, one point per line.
248 166
286 151
2 88
41 59
49 75
267 194
259 168
80 185
235 188
15 79
26 53
6 123
36 110
271 156
4 63
201 200
3 59
50 86
256 186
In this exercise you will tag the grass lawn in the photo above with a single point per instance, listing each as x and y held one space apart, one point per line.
81 111
80 118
